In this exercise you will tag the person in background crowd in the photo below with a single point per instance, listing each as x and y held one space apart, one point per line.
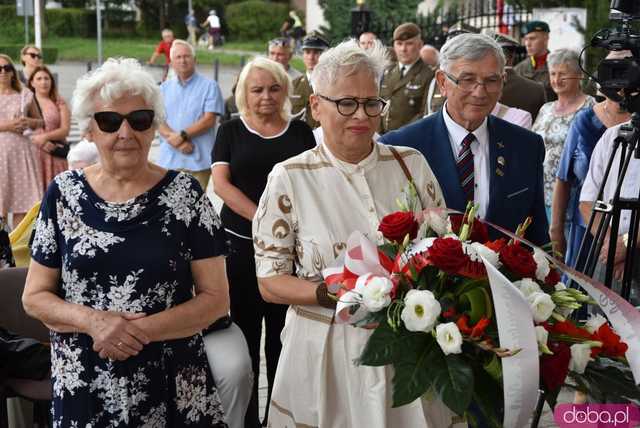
517 91
475 156
20 172
215 30
311 205
30 57
6 255
57 122
193 104
405 84
247 149
127 314
191 23
230 107
555 117
279 50
513 115
567 226
534 66
367 40
292 28
429 56
164 47
312 47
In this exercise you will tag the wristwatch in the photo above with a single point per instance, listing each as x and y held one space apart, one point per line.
184 135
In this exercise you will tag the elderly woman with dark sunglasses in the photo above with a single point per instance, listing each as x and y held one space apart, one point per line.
127 270
311 204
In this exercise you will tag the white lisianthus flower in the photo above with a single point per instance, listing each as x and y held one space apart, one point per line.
541 305
594 323
375 291
527 287
543 268
476 250
580 357
542 335
560 286
421 310
449 338
436 220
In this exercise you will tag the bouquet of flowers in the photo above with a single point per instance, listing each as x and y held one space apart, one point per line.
434 295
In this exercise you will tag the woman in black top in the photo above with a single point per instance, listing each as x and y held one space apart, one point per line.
246 150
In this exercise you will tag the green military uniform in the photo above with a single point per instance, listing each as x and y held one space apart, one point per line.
522 93
435 100
526 69
300 101
406 95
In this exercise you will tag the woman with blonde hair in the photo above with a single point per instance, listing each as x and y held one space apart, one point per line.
245 151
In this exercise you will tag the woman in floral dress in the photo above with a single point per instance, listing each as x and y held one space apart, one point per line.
127 270
555 117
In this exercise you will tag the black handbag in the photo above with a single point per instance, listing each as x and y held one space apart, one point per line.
61 149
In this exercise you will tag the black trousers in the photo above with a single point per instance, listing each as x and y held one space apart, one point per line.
248 310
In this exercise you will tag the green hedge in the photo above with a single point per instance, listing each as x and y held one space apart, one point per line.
50 54
255 19
68 22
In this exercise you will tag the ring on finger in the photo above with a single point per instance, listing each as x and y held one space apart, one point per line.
119 344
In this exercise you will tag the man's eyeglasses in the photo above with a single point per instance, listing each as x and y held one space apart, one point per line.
34 55
468 84
6 68
110 121
348 106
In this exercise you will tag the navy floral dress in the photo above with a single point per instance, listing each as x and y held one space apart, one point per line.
133 256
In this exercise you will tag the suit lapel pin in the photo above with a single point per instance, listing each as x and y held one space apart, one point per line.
500 145
499 172
501 161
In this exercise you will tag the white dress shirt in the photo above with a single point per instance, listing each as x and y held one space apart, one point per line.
480 150
513 115
407 67
597 165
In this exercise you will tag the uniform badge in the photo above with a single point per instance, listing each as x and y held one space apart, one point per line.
499 172
501 161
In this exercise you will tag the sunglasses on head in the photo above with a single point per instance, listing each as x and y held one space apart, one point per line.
6 68
34 55
279 41
110 121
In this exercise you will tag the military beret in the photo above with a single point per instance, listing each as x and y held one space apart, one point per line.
532 26
315 41
406 31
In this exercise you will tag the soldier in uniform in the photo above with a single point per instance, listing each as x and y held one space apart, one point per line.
534 66
405 84
516 85
312 46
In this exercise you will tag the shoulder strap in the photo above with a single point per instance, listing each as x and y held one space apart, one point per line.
403 165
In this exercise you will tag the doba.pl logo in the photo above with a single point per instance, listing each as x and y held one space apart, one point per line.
594 415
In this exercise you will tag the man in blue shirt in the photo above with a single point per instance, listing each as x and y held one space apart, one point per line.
193 104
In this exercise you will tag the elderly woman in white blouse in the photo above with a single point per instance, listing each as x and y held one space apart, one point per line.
311 205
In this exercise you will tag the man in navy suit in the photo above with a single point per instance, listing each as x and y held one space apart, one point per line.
475 156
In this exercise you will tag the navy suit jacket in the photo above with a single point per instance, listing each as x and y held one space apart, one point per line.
516 188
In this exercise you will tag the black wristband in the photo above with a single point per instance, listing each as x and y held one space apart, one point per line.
184 135
322 296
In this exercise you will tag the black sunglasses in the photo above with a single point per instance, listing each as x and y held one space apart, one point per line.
6 68
34 55
110 121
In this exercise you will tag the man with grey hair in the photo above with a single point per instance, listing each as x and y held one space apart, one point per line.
280 51
477 157
193 104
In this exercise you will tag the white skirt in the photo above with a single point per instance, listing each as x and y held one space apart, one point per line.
318 384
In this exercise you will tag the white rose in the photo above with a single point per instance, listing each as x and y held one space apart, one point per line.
543 268
527 286
542 335
476 251
594 323
580 357
449 338
374 291
421 310
541 305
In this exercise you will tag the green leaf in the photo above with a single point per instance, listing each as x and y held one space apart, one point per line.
494 368
611 380
487 396
414 369
453 381
478 302
385 345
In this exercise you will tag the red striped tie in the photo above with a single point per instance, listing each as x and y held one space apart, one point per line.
465 167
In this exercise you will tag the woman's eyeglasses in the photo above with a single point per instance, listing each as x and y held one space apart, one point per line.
6 68
110 121
34 55
348 106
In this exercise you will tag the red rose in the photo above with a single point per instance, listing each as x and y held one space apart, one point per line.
554 368
553 278
496 245
518 260
446 254
479 231
397 225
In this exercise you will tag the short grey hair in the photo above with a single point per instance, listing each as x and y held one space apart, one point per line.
83 151
115 79
279 74
565 56
346 59
180 42
470 47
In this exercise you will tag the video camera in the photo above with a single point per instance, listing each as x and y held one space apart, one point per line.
619 79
